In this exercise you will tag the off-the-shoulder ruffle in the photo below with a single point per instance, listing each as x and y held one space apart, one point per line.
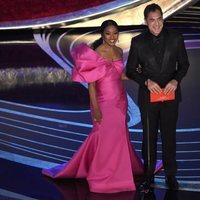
89 66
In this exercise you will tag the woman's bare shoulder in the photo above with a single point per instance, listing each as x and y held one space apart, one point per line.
99 49
119 50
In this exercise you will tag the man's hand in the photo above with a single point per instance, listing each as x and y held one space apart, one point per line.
171 86
153 86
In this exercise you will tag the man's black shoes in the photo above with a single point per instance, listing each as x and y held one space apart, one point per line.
146 184
172 183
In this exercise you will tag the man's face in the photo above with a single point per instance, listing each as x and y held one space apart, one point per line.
154 22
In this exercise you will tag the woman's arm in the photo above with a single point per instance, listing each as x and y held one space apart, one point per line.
123 76
97 116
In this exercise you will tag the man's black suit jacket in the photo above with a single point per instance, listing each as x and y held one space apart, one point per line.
174 64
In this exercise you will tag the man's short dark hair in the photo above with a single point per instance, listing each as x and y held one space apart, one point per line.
151 8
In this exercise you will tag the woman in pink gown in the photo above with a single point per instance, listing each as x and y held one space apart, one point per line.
106 158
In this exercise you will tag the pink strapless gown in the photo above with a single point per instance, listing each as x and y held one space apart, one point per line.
106 158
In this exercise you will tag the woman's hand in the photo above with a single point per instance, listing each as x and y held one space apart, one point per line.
124 77
97 115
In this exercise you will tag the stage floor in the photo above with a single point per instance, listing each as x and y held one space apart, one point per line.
22 182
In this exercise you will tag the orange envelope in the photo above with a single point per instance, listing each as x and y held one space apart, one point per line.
162 96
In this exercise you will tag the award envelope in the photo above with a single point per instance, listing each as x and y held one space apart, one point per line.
161 96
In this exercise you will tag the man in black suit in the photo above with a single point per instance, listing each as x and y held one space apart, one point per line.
161 58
